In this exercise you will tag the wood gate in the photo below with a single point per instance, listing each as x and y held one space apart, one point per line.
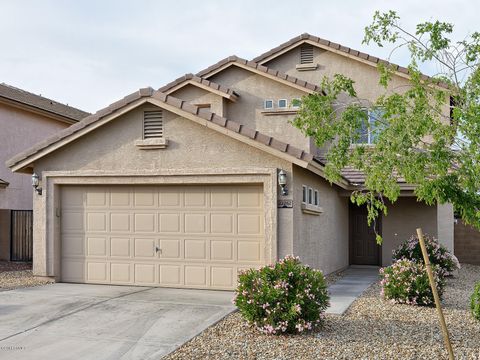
21 239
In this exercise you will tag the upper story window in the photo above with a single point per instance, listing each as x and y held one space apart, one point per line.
368 133
306 54
268 104
152 124
310 196
282 103
295 103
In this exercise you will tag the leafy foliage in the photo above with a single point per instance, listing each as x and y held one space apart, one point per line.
428 134
406 282
437 254
475 302
286 297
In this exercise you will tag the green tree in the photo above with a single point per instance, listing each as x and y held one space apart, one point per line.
427 133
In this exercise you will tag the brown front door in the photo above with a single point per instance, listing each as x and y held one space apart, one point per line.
363 246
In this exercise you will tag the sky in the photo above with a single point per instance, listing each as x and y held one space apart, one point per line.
89 53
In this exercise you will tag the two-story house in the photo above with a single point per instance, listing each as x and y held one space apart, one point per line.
185 185
25 119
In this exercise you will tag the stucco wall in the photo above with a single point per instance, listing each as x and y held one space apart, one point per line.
195 95
249 109
192 148
320 240
401 222
19 130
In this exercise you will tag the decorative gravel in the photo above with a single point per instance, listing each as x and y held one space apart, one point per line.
15 275
371 329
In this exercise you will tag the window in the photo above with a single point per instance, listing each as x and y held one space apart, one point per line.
304 194
306 54
315 198
310 196
152 124
368 132
295 103
268 104
282 103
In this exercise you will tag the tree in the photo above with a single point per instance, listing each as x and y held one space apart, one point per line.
427 133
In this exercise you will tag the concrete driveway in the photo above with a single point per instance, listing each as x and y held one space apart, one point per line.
77 321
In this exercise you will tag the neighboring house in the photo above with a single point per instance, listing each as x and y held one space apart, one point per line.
180 187
25 119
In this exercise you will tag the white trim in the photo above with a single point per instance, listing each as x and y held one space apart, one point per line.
282 107
265 104
304 194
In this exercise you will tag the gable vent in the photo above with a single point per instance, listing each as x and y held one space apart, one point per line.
306 54
152 124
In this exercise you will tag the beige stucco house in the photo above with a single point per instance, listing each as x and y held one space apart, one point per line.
183 186
25 119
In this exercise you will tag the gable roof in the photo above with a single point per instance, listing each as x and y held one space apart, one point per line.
336 48
170 103
261 70
201 83
22 98
3 184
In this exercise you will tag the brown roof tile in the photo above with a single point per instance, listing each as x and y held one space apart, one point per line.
229 93
262 68
334 46
3 183
36 101
170 100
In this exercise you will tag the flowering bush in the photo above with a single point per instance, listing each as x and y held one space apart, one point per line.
286 297
475 302
438 254
406 282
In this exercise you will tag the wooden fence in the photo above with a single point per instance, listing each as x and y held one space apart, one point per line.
467 243
21 245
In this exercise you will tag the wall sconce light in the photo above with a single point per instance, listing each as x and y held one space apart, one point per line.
35 183
282 181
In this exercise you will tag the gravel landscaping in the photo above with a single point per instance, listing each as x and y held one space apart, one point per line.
14 275
371 329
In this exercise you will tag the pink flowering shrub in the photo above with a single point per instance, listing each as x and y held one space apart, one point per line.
475 302
438 254
286 297
406 282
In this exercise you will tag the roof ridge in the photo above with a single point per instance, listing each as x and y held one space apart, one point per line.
38 96
261 68
172 101
341 48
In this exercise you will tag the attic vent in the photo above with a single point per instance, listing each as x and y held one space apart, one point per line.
306 54
152 124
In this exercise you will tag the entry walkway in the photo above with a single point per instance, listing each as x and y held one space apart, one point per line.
355 281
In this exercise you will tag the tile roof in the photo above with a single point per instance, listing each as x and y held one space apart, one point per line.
352 175
32 100
229 93
334 46
176 103
3 183
255 66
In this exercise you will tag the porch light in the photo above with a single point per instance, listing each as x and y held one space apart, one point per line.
36 183
282 181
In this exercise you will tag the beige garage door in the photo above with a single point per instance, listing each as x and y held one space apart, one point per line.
178 236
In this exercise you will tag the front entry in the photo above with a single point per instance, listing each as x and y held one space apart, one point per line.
364 249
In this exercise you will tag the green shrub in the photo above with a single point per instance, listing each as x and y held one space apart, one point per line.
286 297
437 254
475 302
406 282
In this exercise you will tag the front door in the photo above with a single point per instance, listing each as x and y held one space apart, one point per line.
364 249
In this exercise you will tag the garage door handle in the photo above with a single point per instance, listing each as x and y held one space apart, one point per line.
157 249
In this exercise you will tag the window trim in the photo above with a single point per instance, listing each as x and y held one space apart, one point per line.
265 104
315 198
304 194
282 107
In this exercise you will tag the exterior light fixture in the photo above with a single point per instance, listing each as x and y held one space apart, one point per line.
36 183
282 181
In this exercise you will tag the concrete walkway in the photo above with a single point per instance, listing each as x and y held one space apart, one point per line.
344 292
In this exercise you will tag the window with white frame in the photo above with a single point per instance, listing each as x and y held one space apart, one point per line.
370 127
268 104
295 103
310 196
282 103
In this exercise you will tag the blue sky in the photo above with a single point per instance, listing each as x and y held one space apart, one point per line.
90 53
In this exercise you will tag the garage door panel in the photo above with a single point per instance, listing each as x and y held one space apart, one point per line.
204 234
120 247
